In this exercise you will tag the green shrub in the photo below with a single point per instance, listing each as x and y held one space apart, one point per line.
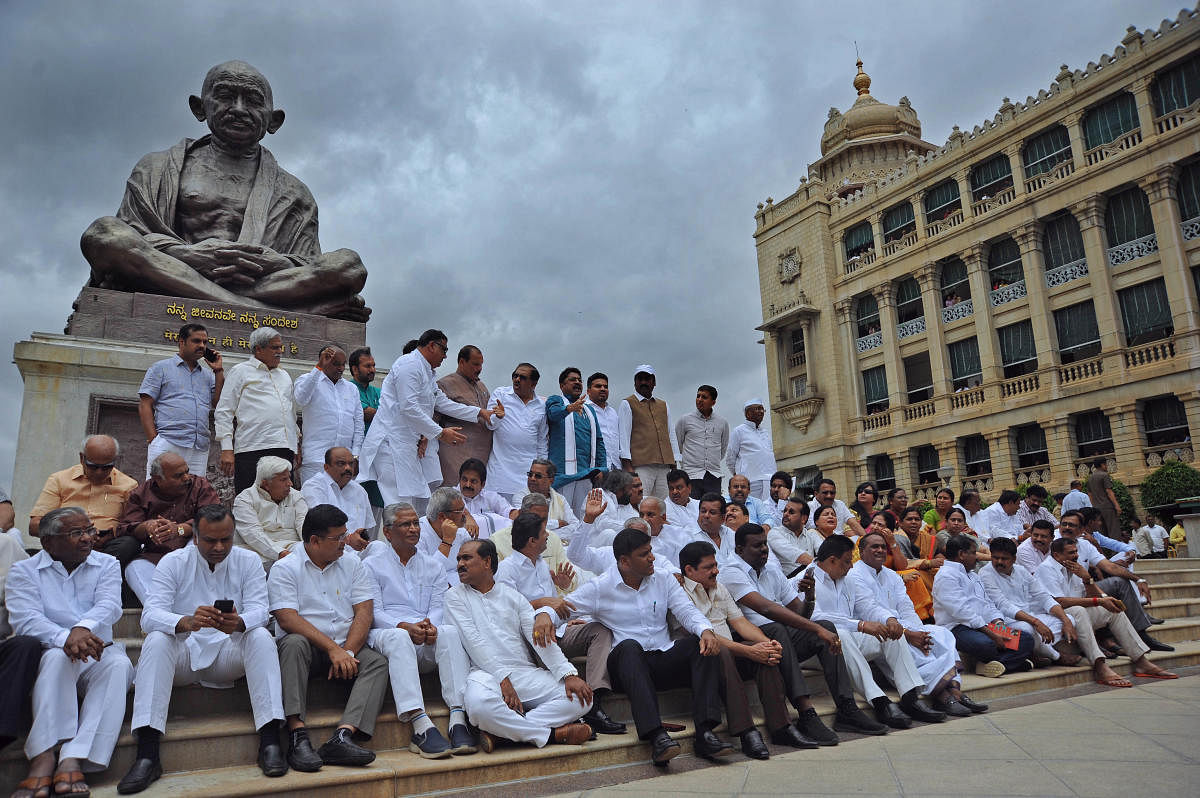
1128 513
1171 481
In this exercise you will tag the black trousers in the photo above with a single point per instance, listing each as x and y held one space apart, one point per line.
639 673
709 483
125 548
245 464
19 658
799 645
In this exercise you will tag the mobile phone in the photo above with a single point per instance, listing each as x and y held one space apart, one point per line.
795 571
210 355
223 605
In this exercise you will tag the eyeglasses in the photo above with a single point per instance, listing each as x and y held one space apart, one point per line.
99 466
77 534
460 511
337 538
413 523
536 475
523 377
441 346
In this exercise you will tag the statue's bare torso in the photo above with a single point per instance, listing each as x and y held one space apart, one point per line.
213 192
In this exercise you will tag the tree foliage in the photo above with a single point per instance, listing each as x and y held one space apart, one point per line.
1128 514
1170 482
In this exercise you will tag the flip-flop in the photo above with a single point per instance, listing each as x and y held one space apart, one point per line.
38 786
1159 675
1116 681
72 778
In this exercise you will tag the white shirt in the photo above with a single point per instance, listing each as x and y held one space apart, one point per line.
407 401
405 593
268 527
625 422
430 542
839 507
333 415
1058 581
959 597
496 629
520 436
1019 591
183 581
559 511
351 500
532 580
837 602
261 400
886 588
46 602
994 522
1029 556
771 584
684 515
639 614
1089 555
487 501
10 552
1158 536
1075 500
750 452
323 597
725 549
610 427
615 514
788 546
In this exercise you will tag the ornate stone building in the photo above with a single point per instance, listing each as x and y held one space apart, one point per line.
1007 307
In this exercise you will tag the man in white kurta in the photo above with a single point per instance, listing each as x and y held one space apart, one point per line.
509 694
539 479
68 597
331 410
407 401
682 509
520 434
1016 592
270 513
191 641
750 451
334 484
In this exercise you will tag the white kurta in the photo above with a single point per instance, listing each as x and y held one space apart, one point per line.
959 597
684 515
332 415
351 500
262 401
610 428
325 597
268 527
750 453
520 436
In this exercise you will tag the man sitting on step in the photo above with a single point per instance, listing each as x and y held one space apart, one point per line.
509 694
205 621
1065 578
1019 595
409 586
322 603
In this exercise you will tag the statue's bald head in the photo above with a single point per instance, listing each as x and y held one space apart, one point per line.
236 104
240 72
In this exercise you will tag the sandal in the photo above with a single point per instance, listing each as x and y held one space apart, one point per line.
71 779
38 786
1115 681
1159 675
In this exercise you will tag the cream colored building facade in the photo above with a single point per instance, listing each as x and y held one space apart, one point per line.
1011 305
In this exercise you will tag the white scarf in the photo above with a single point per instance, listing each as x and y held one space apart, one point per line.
570 456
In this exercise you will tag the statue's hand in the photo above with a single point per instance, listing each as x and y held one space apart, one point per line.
224 262
265 258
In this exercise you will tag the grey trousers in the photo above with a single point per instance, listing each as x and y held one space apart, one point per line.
1127 592
299 661
594 641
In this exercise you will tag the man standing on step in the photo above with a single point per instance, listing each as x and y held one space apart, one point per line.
647 443
322 603
509 694
194 637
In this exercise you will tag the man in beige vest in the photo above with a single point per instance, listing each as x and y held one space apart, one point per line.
647 435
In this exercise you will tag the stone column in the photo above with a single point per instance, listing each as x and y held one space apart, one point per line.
975 257
931 300
919 215
885 296
806 327
1127 440
848 334
905 478
1029 239
1018 170
1073 123
773 343
1140 89
1000 449
1090 214
1160 187
1060 449
877 233
839 251
964 191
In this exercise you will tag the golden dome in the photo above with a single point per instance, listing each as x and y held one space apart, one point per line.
862 81
868 117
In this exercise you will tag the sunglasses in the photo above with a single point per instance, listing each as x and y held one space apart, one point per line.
99 466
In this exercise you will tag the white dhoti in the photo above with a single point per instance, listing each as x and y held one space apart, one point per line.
166 661
1040 646
139 575
859 649
88 730
941 659
544 698
406 661
1088 619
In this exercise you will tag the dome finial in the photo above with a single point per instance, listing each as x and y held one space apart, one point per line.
862 81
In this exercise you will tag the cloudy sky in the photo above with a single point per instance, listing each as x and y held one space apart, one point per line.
567 182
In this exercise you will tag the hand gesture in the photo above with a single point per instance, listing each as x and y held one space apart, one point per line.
806 583
509 693
1043 631
578 688
357 540
766 652
561 606
205 617
594 505
81 644
562 575
452 435
919 639
471 525
895 629
447 531
217 364
874 629
416 632
324 358
342 664
497 412
230 622
576 406
431 631
1111 604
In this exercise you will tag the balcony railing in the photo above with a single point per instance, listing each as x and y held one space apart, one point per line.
859 261
1156 352
1132 250
959 310
1083 370
796 360
900 244
1064 169
1173 119
1039 475
924 409
953 220
1127 142
1171 452
979 482
1064 274
1008 293
1026 383
926 492
869 342
910 328
1084 468
967 398
1191 228
988 203
879 420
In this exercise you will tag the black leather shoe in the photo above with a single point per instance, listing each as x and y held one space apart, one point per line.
974 706
918 708
891 715
850 718
271 760
1153 620
710 746
601 723
753 745
1153 643
664 749
810 726
141 775
953 708
790 736
301 755
340 749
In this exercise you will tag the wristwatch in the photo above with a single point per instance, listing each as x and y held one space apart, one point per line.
182 531
348 651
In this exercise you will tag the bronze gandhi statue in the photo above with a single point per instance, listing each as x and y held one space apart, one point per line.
217 218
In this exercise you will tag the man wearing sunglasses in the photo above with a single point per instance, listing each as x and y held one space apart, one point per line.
99 487
520 432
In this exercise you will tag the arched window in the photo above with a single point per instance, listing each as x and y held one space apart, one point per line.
956 287
867 315
941 201
1061 241
1004 264
908 300
1046 150
991 177
1127 217
898 222
859 239
1110 120
1177 87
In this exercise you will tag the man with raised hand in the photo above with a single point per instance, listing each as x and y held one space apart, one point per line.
577 446
332 411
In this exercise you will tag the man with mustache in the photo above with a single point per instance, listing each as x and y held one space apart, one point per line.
335 485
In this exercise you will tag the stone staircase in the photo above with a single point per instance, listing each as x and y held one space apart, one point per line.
210 745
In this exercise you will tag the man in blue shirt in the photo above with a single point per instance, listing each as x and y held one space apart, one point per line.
577 446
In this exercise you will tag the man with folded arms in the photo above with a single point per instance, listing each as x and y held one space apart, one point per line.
1065 578
772 604
1019 595
632 600
409 586
335 485
932 647
526 572
753 654
509 694
868 633
961 604
68 597
322 603
190 640
269 515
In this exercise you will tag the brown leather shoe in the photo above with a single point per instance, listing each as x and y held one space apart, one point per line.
487 742
572 734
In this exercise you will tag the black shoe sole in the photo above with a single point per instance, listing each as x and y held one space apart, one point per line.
304 767
663 757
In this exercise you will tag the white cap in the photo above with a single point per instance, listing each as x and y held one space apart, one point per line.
752 403
645 368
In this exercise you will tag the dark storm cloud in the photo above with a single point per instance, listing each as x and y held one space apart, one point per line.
564 183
